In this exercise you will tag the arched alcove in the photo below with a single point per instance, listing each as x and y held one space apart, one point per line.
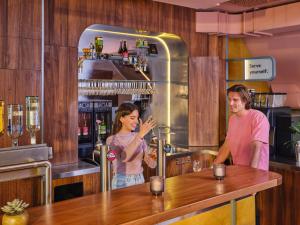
167 71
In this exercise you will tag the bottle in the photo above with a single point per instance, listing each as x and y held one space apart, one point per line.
85 129
32 117
92 50
120 51
125 53
297 151
98 46
99 140
102 128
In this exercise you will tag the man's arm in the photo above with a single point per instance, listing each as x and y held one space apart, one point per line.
256 147
223 153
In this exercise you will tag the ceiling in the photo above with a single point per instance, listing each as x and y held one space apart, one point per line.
230 6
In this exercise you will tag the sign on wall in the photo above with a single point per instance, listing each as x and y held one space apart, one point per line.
262 68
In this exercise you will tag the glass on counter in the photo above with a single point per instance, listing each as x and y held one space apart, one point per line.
157 185
14 122
219 171
32 117
1 117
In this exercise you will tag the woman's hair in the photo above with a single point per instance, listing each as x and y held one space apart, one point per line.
243 92
123 110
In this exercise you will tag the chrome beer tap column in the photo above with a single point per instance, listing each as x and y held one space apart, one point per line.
162 149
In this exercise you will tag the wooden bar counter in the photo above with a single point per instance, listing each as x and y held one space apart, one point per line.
135 205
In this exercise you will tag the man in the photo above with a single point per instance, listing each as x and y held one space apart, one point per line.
248 132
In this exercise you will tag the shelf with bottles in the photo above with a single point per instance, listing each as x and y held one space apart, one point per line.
14 126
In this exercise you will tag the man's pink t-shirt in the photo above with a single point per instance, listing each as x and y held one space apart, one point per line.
242 131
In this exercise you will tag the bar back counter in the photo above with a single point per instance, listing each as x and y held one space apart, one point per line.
135 205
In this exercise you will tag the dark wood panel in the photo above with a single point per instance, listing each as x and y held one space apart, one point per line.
29 54
9 52
281 205
204 101
28 190
30 19
61 102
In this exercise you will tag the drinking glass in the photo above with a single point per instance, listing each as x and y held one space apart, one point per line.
14 122
197 165
32 117
1 117
157 185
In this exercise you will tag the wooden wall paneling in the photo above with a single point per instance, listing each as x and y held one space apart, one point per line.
9 52
9 18
204 101
30 19
29 54
57 22
77 14
60 100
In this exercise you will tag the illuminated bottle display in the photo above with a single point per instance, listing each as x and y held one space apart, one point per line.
1 117
14 122
32 117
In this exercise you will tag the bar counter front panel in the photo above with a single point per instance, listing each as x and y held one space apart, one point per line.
135 205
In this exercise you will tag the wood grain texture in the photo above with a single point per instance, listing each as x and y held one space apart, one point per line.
20 52
135 205
61 111
281 205
28 190
204 101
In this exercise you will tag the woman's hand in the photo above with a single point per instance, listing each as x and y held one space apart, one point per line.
145 127
152 153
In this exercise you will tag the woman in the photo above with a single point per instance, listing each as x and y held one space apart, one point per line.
130 147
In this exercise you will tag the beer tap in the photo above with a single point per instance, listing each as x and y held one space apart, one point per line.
162 148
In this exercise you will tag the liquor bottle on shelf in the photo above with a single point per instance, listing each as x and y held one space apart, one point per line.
1 117
102 130
92 50
85 128
32 117
98 46
14 122
125 53
120 51
99 139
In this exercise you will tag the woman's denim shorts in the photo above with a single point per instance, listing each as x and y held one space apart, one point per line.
123 180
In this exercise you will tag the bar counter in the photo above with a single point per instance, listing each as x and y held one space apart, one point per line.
135 205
